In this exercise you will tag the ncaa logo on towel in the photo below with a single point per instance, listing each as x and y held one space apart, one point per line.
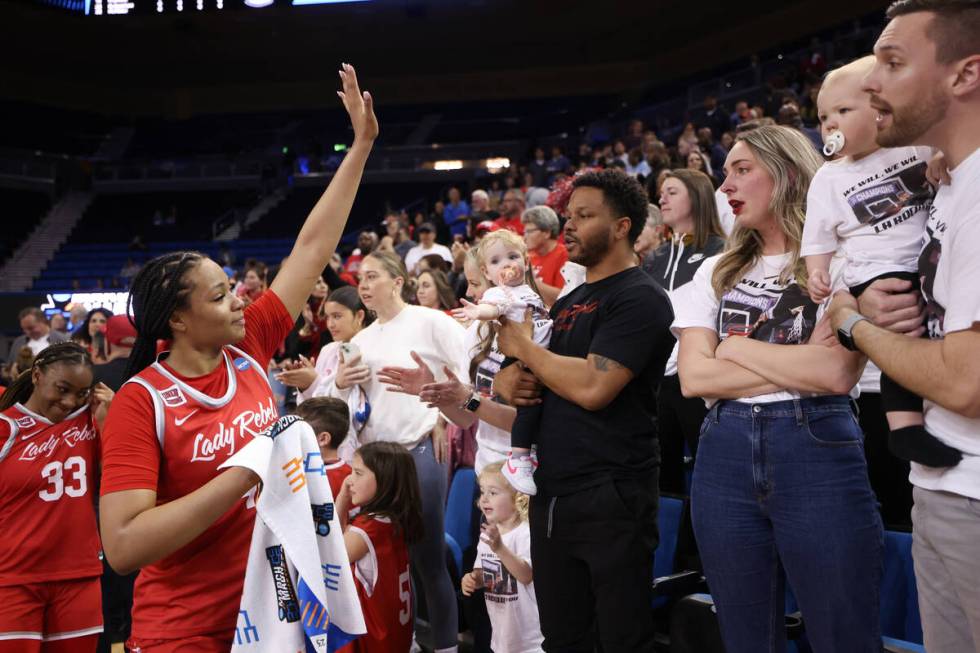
241 364
173 396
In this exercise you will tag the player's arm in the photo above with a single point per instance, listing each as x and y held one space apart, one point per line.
136 532
321 232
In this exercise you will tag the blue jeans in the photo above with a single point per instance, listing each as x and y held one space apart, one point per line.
784 486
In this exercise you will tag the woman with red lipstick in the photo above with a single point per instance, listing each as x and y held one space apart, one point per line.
687 203
165 507
780 481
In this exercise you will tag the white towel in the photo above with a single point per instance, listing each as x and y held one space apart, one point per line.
299 592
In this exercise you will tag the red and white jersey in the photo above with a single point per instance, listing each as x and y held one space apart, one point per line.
168 433
337 473
197 433
384 587
46 479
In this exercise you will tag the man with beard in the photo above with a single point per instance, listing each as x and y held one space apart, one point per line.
925 87
593 520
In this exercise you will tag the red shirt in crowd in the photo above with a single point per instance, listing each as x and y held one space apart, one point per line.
169 433
47 513
547 268
514 224
337 473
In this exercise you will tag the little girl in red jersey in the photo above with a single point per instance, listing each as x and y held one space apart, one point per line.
50 561
385 488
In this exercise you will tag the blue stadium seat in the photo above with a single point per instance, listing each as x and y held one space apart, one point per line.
669 582
459 524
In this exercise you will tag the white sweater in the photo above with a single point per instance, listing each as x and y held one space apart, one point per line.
437 339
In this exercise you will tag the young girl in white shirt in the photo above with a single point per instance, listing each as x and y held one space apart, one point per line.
503 566
503 260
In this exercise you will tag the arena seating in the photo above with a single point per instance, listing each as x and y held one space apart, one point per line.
20 212
459 522
90 263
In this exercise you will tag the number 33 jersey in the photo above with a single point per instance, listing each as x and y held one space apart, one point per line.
47 515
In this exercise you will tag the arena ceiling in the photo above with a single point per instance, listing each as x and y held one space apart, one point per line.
407 51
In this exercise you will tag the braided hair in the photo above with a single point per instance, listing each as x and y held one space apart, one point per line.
66 353
158 289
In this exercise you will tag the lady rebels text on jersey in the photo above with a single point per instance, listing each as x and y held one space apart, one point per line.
46 474
169 433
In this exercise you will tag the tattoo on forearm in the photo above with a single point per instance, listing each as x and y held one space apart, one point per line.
604 364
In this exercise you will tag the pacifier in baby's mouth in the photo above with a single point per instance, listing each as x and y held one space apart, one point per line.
510 274
834 144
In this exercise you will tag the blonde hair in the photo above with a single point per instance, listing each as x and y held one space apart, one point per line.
521 500
791 161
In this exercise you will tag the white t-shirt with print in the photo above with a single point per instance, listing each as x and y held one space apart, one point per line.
872 210
492 443
950 271
758 307
511 605
514 301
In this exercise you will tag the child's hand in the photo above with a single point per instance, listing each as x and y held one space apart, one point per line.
468 310
491 535
937 172
819 285
471 582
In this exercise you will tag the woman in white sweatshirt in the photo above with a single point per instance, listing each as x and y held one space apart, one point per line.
405 336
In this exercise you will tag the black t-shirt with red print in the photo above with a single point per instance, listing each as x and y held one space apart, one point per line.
625 317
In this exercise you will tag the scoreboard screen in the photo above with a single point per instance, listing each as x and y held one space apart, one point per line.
128 7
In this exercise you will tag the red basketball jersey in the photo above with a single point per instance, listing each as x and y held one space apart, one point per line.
199 587
47 514
384 587
337 473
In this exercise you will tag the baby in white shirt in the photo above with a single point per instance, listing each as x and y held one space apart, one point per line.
503 261
868 205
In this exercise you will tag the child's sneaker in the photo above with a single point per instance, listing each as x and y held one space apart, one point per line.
519 472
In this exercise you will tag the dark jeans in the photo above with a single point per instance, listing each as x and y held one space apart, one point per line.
678 423
784 486
592 553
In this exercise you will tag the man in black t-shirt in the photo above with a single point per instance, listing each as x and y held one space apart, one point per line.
593 521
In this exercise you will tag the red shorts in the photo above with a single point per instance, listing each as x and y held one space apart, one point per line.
197 644
51 611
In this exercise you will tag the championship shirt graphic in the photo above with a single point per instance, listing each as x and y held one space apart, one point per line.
500 584
891 196
928 263
782 315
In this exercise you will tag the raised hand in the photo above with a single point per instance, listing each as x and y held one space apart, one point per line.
360 106
468 310
451 392
405 379
298 377
99 399
491 535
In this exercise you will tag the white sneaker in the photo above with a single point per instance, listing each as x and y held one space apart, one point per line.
519 472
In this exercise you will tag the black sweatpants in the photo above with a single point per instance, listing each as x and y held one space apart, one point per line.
679 420
592 553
